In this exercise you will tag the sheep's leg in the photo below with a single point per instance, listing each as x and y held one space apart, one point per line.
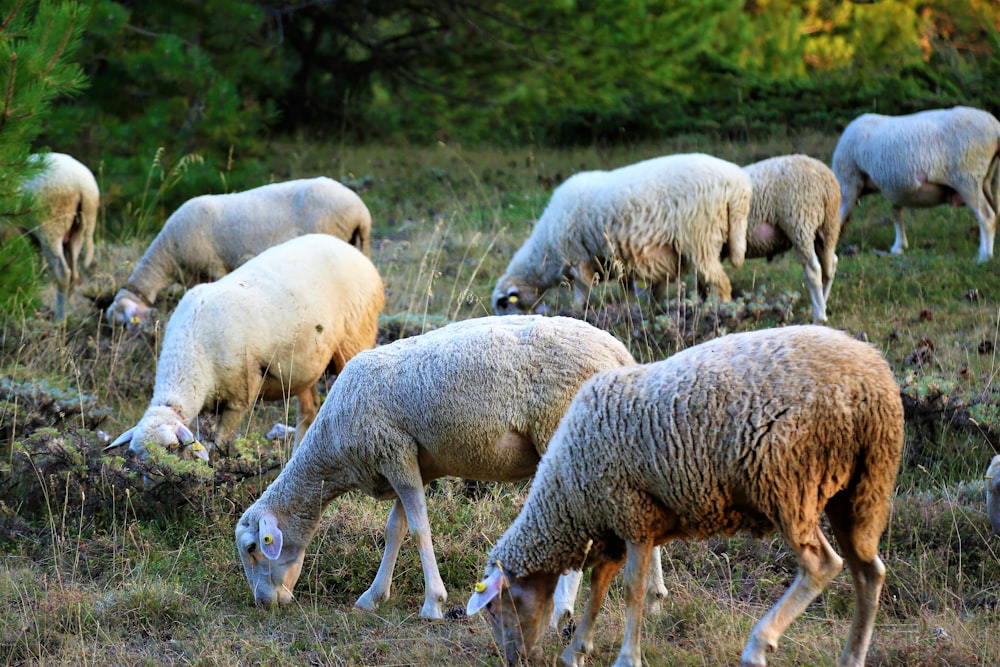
308 407
987 219
583 283
565 597
901 244
225 431
814 278
656 590
636 568
395 531
415 503
867 574
818 565
61 273
583 640
713 277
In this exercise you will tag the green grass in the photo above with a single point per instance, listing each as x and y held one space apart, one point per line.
98 569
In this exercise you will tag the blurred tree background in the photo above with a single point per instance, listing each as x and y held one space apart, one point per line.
196 88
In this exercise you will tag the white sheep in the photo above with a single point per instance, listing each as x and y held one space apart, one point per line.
477 399
269 329
796 204
752 431
209 236
941 156
647 221
68 192
993 493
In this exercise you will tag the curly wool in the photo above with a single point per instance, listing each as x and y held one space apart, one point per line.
645 221
68 191
746 432
940 156
993 493
269 329
796 204
211 235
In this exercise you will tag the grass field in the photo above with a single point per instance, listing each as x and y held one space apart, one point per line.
97 569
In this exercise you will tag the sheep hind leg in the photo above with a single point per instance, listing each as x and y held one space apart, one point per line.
818 565
583 640
395 531
637 564
308 407
656 590
565 597
867 574
814 278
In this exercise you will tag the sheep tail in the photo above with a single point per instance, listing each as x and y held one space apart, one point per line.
993 179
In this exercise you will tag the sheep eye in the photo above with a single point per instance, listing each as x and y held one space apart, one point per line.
502 302
252 548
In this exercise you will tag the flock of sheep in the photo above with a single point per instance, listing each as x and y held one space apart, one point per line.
625 457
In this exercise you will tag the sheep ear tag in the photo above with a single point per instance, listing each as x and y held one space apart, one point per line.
486 590
186 438
270 536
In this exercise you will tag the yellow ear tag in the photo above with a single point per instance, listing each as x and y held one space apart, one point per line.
512 299
134 320
268 538
197 446
641 284
480 586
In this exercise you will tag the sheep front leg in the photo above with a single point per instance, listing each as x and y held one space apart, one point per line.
583 640
901 244
415 503
395 531
656 590
565 597
636 567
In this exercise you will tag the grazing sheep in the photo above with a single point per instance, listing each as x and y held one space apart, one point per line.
942 156
269 329
477 399
647 221
68 191
752 431
993 493
209 236
796 204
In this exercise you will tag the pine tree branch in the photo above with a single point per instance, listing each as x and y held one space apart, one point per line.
10 91
62 47
12 15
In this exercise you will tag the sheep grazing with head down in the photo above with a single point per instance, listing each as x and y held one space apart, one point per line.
647 221
993 493
796 204
941 156
477 399
267 330
209 236
67 191
751 431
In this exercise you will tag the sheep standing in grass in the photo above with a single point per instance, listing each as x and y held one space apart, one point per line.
942 156
752 431
269 329
209 236
647 221
993 493
477 399
67 191
796 204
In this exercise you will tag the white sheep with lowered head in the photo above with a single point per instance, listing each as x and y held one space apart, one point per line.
940 156
752 431
267 330
647 222
993 493
67 191
477 399
796 204
210 235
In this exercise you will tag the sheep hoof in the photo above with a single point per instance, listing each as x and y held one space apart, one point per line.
370 601
560 616
432 611
280 432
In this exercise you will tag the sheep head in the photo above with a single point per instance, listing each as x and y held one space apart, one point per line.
271 562
163 426
516 608
993 493
129 309
511 299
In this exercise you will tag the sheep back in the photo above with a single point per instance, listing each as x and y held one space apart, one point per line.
749 431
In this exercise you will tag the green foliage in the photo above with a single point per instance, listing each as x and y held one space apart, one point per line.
37 44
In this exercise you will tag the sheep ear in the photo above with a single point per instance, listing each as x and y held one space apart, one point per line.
486 590
123 439
186 438
270 536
